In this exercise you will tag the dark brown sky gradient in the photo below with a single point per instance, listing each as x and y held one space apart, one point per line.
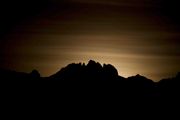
136 36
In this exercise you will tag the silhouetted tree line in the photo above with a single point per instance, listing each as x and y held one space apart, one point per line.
87 81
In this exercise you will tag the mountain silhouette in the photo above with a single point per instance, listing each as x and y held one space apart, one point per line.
88 80
88 87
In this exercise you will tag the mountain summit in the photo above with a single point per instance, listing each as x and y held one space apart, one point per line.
93 70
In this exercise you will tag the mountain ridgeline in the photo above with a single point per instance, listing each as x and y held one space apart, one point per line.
92 79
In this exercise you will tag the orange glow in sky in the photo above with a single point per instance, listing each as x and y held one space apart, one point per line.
135 38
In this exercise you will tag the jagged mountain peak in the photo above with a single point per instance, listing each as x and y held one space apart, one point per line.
93 68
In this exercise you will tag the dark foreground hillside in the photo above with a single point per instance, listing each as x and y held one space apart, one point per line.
85 91
80 80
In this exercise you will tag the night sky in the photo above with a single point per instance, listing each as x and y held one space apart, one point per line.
136 36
